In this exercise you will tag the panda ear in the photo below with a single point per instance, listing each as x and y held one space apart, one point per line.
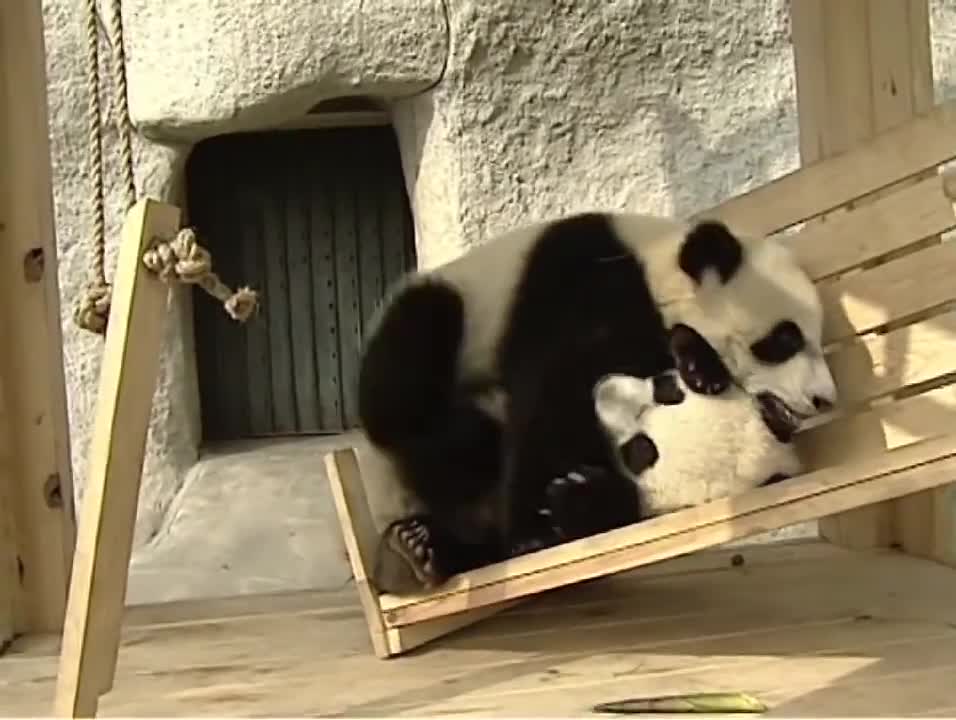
709 245
619 400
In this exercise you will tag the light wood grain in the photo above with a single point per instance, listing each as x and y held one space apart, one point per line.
925 143
866 115
849 239
30 357
877 365
127 381
899 289
813 631
885 476
361 543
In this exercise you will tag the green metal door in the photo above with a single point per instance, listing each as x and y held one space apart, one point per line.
318 221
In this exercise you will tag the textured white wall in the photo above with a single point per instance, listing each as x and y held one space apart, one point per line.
505 111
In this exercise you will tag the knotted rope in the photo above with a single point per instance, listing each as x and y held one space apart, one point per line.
181 259
187 261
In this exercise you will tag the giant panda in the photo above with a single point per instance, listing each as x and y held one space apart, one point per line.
680 448
476 377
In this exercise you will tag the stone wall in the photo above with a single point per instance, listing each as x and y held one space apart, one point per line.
504 112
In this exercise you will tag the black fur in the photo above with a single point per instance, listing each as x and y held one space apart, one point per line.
700 366
581 309
784 340
639 453
666 390
589 501
711 246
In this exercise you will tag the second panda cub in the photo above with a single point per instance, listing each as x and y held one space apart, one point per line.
683 448
680 448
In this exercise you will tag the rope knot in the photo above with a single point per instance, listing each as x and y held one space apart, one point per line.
184 260
92 311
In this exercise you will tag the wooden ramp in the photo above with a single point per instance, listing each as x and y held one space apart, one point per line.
871 224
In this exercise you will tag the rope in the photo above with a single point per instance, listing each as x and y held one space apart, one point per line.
181 259
92 309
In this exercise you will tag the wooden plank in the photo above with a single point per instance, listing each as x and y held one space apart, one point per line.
361 543
298 236
277 297
9 572
41 496
909 285
347 289
880 364
850 239
872 479
887 426
127 380
252 237
323 303
876 74
924 143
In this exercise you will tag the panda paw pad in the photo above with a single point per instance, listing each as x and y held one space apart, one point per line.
410 541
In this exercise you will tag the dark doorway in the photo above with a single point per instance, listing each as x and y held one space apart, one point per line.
319 222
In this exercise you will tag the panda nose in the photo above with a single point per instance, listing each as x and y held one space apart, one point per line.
822 404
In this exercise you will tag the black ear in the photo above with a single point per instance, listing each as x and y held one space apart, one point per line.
710 246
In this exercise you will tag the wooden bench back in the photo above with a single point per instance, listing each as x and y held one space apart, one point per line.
872 220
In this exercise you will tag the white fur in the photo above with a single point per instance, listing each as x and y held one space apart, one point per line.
709 447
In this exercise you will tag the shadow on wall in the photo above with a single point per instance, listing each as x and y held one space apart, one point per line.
701 174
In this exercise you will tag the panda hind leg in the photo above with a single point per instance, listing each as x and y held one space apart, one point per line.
415 554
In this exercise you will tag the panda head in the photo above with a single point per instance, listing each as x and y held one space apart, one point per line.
761 311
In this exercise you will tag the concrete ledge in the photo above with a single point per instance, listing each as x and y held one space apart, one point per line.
200 67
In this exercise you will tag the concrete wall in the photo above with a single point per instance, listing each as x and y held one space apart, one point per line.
504 111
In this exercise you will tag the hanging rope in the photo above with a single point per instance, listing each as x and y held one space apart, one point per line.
181 259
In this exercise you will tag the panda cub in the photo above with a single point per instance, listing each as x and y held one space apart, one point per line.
685 448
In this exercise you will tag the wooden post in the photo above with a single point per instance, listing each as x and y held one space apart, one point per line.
108 514
862 67
36 493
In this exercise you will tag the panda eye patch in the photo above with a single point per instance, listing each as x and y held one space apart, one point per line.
779 345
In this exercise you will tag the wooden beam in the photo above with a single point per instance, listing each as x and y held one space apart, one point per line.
37 486
862 68
127 381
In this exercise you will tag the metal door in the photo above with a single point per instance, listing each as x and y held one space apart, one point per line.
319 222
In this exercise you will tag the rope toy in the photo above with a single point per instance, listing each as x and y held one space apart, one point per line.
181 259
184 260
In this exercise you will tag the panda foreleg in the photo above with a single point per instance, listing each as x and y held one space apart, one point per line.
589 501
700 366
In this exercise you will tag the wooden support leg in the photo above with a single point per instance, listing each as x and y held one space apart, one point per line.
361 540
862 67
130 364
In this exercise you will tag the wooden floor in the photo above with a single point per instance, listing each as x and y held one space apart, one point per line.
810 630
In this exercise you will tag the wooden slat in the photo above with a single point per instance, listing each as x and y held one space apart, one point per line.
9 572
909 469
347 293
323 303
258 385
881 364
886 426
127 380
906 286
298 235
926 142
31 359
277 296
847 240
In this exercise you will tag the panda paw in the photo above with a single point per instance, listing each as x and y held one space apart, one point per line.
406 558
588 501
703 374
666 389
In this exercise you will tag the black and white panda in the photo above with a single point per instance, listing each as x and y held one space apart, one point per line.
684 449
533 319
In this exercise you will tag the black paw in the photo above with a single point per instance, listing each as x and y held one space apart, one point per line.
666 389
589 501
406 558
699 364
